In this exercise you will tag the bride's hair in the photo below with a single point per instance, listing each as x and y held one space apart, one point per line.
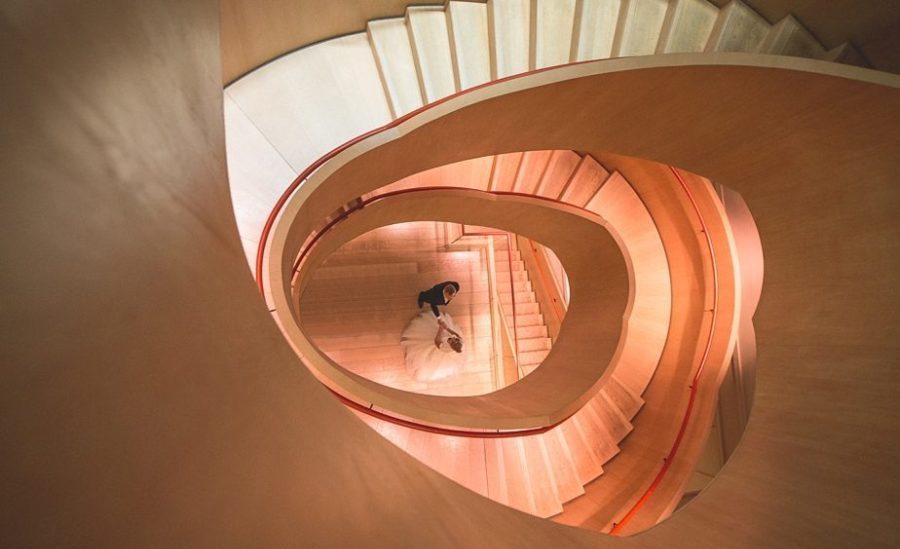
455 344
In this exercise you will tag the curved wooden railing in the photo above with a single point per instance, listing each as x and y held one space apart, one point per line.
282 200
695 380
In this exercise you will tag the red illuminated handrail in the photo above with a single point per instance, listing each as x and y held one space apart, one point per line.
667 461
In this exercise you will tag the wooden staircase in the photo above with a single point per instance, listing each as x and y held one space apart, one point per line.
536 474
283 116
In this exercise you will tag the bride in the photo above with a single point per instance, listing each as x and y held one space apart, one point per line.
433 347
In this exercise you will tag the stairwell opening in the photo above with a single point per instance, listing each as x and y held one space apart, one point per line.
360 307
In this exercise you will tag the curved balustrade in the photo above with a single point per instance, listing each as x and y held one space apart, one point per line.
335 223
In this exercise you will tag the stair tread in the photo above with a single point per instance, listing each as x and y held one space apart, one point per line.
469 37
394 55
431 46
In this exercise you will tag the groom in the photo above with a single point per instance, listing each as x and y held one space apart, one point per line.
439 294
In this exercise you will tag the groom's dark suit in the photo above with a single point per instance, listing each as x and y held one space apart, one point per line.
435 296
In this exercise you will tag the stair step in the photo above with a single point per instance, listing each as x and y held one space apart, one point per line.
521 297
789 37
595 27
622 397
504 173
601 441
525 313
588 178
518 478
688 26
737 28
368 287
560 169
564 470
526 319
532 168
502 265
596 440
376 317
520 285
459 304
509 24
532 358
468 26
526 332
475 342
393 54
846 53
552 27
533 344
545 493
495 465
430 40
586 462
608 197
613 419
640 24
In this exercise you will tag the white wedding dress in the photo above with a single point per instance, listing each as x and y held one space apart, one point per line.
425 361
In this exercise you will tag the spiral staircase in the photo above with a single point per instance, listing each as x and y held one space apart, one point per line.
400 65
149 401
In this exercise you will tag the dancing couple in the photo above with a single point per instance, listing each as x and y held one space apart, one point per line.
431 343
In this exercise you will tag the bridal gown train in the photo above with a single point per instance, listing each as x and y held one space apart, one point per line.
424 360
